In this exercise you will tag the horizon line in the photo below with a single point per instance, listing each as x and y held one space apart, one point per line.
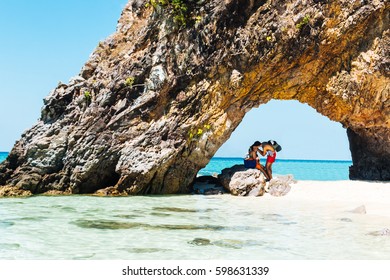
238 157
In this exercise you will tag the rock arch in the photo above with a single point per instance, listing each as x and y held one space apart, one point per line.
156 100
302 132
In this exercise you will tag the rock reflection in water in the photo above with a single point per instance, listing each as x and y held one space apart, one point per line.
107 224
145 250
175 209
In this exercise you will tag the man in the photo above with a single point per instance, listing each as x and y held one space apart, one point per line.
268 150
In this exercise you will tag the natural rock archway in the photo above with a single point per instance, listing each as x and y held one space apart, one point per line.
158 98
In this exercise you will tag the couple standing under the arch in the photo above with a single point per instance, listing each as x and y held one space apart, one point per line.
267 149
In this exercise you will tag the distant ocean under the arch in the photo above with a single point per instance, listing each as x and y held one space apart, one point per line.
317 170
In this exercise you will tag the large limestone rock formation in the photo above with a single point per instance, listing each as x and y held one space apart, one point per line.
158 98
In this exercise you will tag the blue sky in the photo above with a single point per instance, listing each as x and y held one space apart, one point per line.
44 42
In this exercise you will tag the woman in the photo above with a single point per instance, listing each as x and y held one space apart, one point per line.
254 156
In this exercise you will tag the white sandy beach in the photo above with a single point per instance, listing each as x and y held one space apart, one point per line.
375 196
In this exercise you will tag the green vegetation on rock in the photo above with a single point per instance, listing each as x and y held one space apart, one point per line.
129 81
303 22
182 11
88 96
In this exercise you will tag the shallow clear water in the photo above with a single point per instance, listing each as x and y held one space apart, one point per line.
185 227
191 226
321 170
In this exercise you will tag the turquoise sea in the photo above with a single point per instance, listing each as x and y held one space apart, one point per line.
318 170
190 227
3 155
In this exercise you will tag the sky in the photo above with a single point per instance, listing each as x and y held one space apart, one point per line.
44 42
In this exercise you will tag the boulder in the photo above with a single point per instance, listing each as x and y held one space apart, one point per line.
239 180
11 191
109 191
359 210
280 185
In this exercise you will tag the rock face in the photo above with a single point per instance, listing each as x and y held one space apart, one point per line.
158 98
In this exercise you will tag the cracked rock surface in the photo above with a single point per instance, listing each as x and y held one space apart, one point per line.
156 100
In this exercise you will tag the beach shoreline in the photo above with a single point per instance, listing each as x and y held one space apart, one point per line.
374 196
314 220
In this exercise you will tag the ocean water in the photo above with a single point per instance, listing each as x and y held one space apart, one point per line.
318 170
3 156
187 227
